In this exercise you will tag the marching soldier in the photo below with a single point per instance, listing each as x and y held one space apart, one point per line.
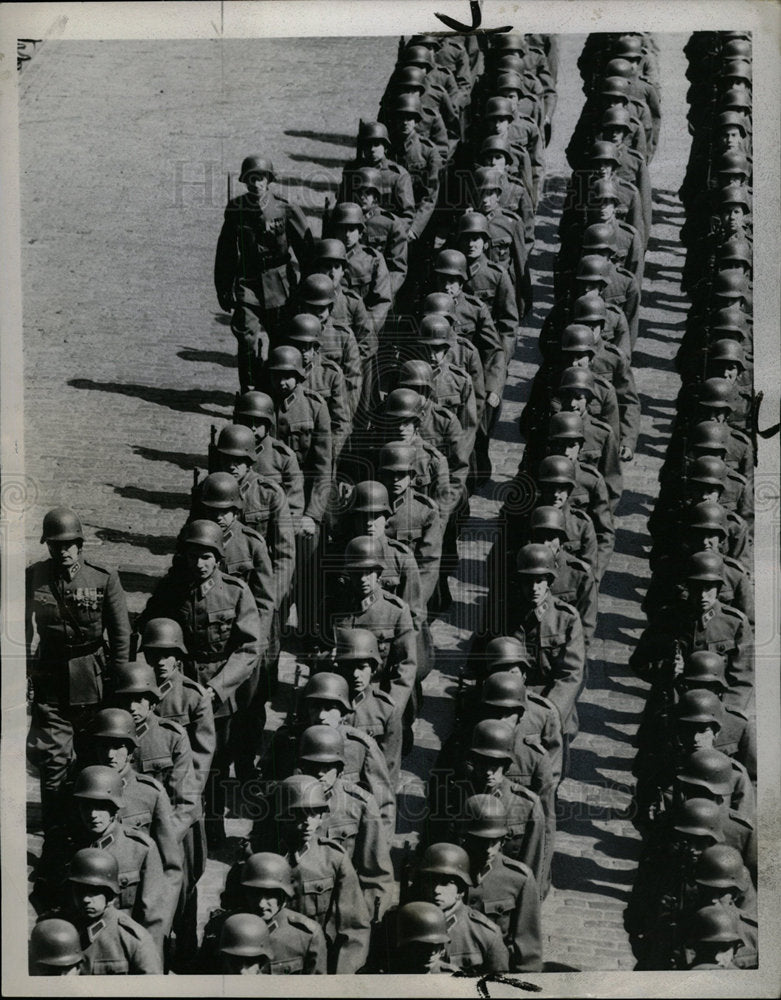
382 230
421 937
55 949
372 147
244 946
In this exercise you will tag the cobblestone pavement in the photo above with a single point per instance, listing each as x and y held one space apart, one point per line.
125 148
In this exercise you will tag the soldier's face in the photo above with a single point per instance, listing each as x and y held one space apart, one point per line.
257 184
501 126
422 957
241 965
449 283
238 467
512 96
265 902
360 676
489 199
259 428
579 360
96 817
585 287
443 892
405 124
224 518
714 894
725 369
535 588
397 482
615 135
284 383
706 541
349 235
57 970
112 753
405 430
695 735
367 197
334 269
731 138
308 352
321 312
554 494
370 523
723 955
705 491
604 168
90 901
375 151
703 594
307 823
364 581
164 662
486 772
437 354
325 773
732 218
567 447
64 554
324 713
548 538
497 161
483 850
473 247
139 706
201 563
575 402
607 210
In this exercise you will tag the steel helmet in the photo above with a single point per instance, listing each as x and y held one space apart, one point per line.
357 644
94 866
709 516
256 404
439 304
615 86
347 213
709 434
721 867
114 724
435 329
727 350
403 404
548 519
730 319
577 381
604 189
137 678
619 67
566 426
330 249
407 76
700 817
364 552
473 223
556 469
496 144
628 47
485 816
256 165
220 491
397 457
422 923
577 339
99 784
371 497
503 690
591 307
535 560
406 105
715 924
738 249
705 667
417 55
509 80
706 566
735 98
708 469
204 535
305 329
317 289
267 871
509 42
286 359
488 179
322 744
56 942
62 525
367 178
602 150
734 194
700 705
599 236
498 107
506 651
326 686
493 738
732 161
709 768
163 633
245 935
371 132
238 441
730 284
430 41
447 859
593 267
736 69
715 393
451 262
300 791
617 117
416 374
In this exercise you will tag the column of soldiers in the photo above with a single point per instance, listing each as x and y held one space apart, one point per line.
694 903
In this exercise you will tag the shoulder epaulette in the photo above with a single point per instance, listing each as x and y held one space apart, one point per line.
598 422
147 779
188 682
351 788
735 564
97 566
579 514
533 741
741 820
393 599
563 606
233 581
384 698
394 543
175 727
590 468
740 435
575 562
480 918
133 833
311 394
425 500
252 533
517 866
301 921
729 611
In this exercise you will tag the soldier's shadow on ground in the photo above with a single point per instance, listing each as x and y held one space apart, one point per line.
158 545
222 318
159 498
615 627
322 161
581 874
135 582
644 446
185 460
221 358
642 360
335 138
179 400
308 183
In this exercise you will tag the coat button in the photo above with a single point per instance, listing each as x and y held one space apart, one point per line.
319 887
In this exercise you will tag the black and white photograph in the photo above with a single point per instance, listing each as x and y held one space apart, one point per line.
390 500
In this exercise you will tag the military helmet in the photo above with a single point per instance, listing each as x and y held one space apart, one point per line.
99 784
556 469
548 519
715 393
397 457
236 440
348 213
734 194
435 329
709 768
451 262
732 161
730 284
55 942
137 677
699 705
420 923
94 866
618 67
506 651
62 525
357 644
736 69
329 249
220 491
509 80
267 871
488 179
708 469
317 289
367 178
322 744
403 404
566 426
706 566
733 97
589 308
364 552
603 151
300 791
599 236
604 189
405 104
509 42
617 117
473 224
535 560
256 165
370 497
705 667
701 818
628 47
485 816
430 41
498 107
371 132
709 516
492 737
416 374
496 144
731 119
577 381
114 724
729 319
721 867
305 329
709 434
245 935
326 686
738 249
439 304
258 405
715 924
447 859
286 359
417 55
577 339
204 535
615 86
593 267
163 633
407 76
727 350
503 689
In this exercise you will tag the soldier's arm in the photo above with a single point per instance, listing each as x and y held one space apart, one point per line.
154 903
364 326
316 957
474 368
293 489
429 553
620 335
351 919
543 784
281 532
339 412
411 588
467 413
496 957
404 197
261 583
505 317
375 778
352 369
430 181
244 648
163 830
396 257
226 261
116 621
320 464
588 542
609 412
185 787
202 740
568 670
587 606
526 930
628 404
402 661
458 451
604 525
535 851
299 236
740 669
380 296
372 861
610 467
142 955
